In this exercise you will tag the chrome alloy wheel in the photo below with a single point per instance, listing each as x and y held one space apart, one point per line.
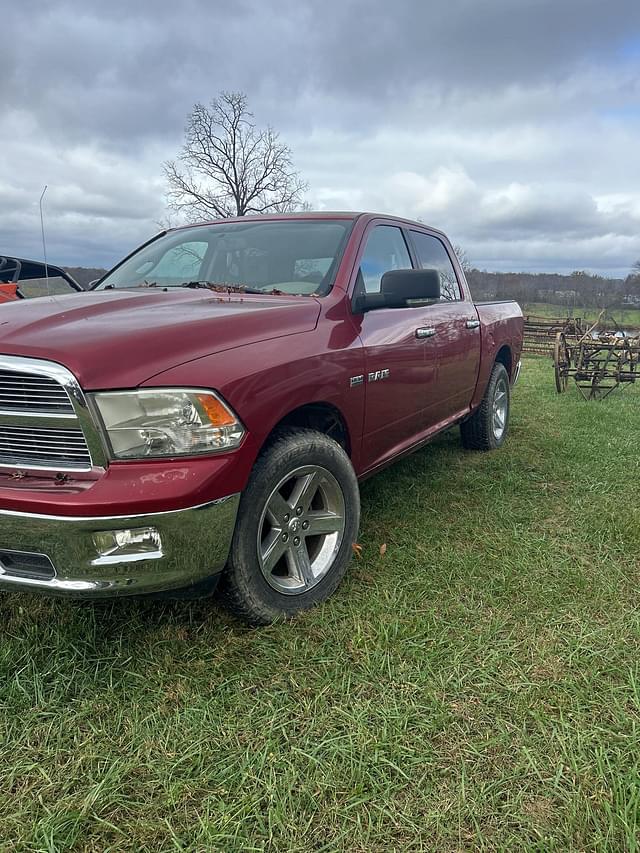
500 407
301 529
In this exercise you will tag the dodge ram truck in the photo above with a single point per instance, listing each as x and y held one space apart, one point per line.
205 412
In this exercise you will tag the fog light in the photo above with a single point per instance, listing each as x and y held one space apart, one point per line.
138 543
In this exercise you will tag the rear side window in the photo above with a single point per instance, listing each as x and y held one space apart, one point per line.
433 255
385 250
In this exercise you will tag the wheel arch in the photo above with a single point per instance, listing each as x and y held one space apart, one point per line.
321 416
505 356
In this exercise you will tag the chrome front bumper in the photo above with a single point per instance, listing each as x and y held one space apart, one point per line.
56 555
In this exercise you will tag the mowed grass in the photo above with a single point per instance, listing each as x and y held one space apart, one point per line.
625 316
474 687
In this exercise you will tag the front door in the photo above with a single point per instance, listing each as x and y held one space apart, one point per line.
397 375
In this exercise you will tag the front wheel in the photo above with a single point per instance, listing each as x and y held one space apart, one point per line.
487 427
297 522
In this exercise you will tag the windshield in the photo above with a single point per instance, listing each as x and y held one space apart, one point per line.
287 256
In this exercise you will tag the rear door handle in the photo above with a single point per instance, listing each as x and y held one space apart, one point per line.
472 324
424 332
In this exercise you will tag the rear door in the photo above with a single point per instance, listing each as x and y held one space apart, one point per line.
453 350
397 377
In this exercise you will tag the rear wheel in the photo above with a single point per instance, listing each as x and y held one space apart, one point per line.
487 428
297 521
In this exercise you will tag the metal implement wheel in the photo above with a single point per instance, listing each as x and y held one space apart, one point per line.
562 362
300 529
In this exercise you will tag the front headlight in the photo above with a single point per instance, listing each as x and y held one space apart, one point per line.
166 422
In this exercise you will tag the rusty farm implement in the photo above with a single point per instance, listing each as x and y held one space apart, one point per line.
540 332
599 360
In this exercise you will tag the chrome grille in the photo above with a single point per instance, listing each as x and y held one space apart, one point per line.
21 392
27 446
42 415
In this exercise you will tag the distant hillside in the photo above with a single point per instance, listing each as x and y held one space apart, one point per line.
580 288
83 275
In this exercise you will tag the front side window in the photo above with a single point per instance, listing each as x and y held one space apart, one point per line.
294 256
433 255
385 250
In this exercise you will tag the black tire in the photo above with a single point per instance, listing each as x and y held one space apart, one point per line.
245 589
479 431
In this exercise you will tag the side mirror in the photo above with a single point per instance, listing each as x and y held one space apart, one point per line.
401 288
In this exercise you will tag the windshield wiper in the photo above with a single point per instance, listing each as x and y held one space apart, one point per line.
131 286
214 286
220 287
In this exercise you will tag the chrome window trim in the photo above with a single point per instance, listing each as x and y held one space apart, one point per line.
82 413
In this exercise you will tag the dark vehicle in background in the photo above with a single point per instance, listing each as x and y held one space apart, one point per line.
24 279
206 411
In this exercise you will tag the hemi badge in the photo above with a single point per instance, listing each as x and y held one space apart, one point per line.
356 380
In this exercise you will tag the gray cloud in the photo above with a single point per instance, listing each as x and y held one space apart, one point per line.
514 125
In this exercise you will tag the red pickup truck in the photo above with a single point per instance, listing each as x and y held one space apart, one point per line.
205 412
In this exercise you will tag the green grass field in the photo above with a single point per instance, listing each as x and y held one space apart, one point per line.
624 316
476 687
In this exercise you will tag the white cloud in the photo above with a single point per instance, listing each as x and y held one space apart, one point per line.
513 126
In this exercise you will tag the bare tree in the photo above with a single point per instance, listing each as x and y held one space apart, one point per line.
463 258
229 167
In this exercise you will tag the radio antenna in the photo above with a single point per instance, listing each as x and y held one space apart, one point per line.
44 245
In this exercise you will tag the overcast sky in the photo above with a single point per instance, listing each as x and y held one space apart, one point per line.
514 125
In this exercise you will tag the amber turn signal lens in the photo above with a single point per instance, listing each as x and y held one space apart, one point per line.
215 411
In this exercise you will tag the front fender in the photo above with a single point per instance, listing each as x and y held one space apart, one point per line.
264 382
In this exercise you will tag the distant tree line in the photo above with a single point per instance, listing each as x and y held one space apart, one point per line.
85 275
580 288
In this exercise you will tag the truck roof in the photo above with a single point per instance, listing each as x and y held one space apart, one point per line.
309 215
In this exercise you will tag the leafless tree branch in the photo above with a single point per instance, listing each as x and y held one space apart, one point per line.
463 258
229 167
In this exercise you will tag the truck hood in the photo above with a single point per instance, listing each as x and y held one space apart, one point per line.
119 339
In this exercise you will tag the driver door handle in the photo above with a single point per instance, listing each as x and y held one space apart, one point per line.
424 332
472 324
